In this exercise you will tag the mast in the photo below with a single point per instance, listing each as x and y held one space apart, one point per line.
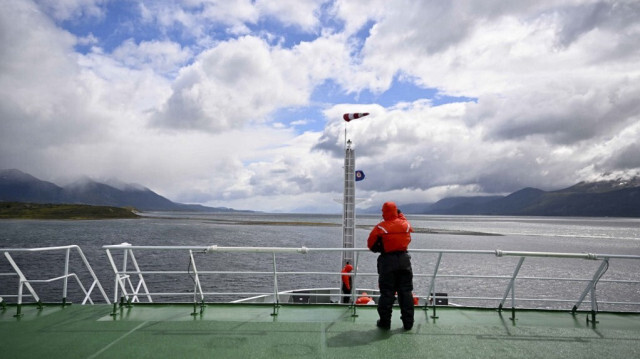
349 203
349 195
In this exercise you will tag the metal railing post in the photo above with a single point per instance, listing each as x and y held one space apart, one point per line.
116 283
125 278
141 281
511 288
591 288
353 289
432 287
19 305
276 300
196 287
93 275
66 278
22 282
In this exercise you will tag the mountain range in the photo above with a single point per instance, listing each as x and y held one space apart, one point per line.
17 186
614 198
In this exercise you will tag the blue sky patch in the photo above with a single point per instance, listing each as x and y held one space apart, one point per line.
400 91
301 119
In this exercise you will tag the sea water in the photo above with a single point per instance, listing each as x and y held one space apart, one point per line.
460 275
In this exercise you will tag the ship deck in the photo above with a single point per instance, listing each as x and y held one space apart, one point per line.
309 331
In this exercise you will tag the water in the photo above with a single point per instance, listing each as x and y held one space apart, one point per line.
580 235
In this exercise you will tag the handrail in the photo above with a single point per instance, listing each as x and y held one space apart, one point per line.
24 282
303 250
123 276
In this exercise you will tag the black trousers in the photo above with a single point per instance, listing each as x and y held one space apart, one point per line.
347 291
395 276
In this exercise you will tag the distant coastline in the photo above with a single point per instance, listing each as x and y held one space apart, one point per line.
248 222
21 210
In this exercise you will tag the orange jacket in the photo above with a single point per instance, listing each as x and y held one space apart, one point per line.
346 278
395 230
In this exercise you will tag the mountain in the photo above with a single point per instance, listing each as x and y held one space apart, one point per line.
452 203
604 186
616 198
90 192
17 186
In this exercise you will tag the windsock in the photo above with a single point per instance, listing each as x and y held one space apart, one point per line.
352 116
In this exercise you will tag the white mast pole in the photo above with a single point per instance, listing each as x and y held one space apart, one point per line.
349 194
348 203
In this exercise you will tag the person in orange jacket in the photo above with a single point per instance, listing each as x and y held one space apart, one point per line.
391 239
347 282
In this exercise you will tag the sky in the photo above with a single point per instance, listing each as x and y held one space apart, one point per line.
239 103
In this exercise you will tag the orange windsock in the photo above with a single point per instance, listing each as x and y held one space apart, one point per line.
352 116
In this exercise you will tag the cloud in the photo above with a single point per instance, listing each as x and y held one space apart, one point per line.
626 158
198 18
301 13
62 10
563 113
243 81
163 57
41 91
225 88
580 19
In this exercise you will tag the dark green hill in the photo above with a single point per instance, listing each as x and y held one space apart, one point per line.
18 210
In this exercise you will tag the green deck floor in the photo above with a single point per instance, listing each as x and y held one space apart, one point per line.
308 331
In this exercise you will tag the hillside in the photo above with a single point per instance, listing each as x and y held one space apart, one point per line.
616 198
17 186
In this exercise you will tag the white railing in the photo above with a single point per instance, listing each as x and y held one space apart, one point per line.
24 282
128 291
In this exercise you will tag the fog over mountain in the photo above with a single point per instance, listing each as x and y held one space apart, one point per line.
17 186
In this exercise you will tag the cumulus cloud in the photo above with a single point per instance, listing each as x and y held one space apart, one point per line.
301 13
41 93
72 9
242 81
196 18
580 19
163 57
226 88
562 112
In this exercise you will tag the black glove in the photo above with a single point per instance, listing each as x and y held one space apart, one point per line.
377 247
